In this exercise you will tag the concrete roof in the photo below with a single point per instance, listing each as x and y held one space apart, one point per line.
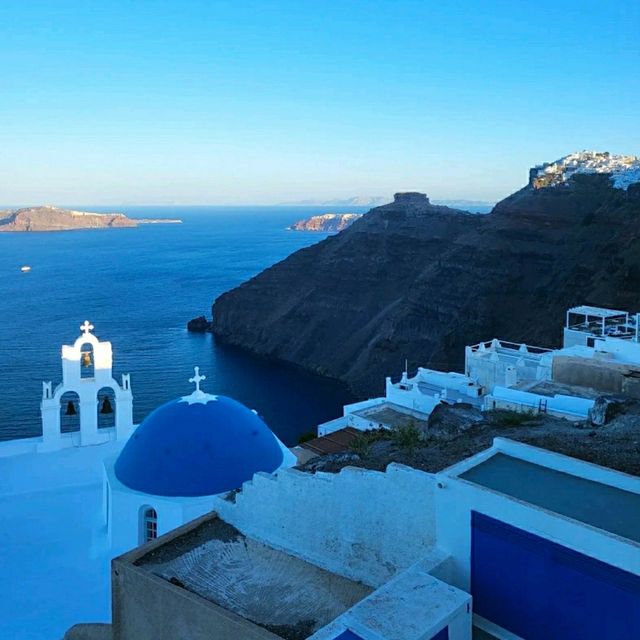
385 414
594 503
277 591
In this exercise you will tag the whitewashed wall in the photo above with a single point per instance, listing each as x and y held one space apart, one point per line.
365 525
623 350
122 509
505 368
451 380
559 404
412 398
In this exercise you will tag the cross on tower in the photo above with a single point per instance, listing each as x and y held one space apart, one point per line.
197 378
86 327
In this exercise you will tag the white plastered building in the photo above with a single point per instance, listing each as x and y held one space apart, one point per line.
98 357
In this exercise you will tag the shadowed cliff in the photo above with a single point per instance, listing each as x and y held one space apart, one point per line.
417 281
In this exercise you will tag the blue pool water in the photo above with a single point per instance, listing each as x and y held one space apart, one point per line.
139 287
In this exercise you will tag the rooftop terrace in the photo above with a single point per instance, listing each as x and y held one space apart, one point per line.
287 596
598 321
386 415
594 503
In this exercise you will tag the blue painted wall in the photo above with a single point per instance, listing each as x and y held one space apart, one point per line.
348 635
541 590
442 635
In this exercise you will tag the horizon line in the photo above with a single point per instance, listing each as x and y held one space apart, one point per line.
248 204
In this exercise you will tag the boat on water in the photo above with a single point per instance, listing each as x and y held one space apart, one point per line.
25 268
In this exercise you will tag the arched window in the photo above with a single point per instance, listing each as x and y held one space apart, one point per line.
149 525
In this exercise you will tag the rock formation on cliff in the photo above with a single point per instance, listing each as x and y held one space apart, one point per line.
50 218
327 222
418 281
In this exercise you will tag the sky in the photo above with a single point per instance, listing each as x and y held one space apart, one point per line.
214 102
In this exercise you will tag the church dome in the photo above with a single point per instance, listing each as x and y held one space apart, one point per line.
198 445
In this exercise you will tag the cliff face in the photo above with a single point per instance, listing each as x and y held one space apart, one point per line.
55 219
327 222
417 281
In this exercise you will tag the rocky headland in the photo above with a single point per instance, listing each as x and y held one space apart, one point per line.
418 281
326 222
49 218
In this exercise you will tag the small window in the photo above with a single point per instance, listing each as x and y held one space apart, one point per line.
150 525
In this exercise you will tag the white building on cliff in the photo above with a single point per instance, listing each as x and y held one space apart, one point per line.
600 355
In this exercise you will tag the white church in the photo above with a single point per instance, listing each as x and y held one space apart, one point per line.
99 490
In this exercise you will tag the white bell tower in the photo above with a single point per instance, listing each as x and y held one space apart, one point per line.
87 390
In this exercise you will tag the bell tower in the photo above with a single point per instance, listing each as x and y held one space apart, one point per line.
74 358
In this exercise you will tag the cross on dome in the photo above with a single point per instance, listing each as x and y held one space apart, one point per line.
87 327
197 378
198 396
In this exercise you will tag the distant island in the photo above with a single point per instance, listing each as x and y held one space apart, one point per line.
49 218
327 222
355 201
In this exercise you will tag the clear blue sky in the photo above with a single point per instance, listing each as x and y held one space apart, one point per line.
262 102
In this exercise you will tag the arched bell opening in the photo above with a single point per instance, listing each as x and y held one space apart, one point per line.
106 408
69 412
87 361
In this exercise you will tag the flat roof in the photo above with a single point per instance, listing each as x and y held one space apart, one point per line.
386 415
550 389
596 504
597 311
277 591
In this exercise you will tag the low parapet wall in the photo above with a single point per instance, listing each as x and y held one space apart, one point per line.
564 406
365 525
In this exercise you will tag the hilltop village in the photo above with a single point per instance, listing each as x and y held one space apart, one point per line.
215 529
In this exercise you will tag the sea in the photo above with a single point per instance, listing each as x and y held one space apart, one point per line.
139 287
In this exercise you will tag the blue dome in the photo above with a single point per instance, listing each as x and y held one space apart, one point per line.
197 448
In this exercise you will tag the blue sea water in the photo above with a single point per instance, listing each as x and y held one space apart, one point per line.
139 287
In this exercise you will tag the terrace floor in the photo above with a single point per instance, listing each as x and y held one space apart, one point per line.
594 503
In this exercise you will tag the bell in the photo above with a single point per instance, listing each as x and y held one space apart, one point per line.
71 409
86 358
106 406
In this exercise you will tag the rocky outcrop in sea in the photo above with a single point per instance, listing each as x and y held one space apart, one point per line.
411 280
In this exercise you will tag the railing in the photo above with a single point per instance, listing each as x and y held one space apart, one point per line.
514 346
